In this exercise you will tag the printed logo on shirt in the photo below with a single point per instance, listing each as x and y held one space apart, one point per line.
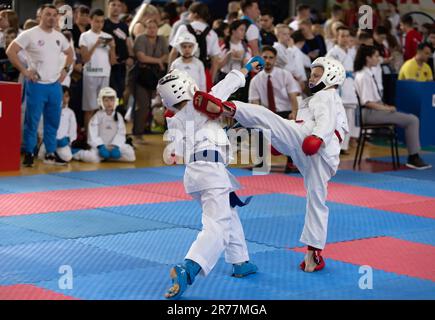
41 43
58 43
120 34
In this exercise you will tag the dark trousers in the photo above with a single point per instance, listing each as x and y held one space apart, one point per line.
117 78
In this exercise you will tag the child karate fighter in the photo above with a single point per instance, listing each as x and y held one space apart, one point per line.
106 133
312 141
203 144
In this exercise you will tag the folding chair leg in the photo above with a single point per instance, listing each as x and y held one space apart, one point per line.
361 150
393 153
358 147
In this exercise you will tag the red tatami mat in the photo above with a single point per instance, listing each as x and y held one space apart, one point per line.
385 253
347 194
30 292
79 199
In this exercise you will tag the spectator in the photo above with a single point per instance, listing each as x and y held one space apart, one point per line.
303 13
299 42
8 19
124 47
381 44
7 71
233 7
286 57
98 54
145 12
187 62
164 26
417 68
393 17
332 41
268 37
277 90
43 46
67 131
151 53
337 15
431 41
231 17
182 21
251 12
365 38
235 53
222 30
375 111
208 42
342 52
314 44
81 24
410 38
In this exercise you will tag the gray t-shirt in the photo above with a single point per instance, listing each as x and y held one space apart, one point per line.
142 44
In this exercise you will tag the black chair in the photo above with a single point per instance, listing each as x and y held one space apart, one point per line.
368 131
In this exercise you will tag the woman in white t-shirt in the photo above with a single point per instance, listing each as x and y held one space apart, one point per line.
235 52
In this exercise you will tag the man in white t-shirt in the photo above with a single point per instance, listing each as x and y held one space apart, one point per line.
198 15
277 90
44 47
98 54
251 12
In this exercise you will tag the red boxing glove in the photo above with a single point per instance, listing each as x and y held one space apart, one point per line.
311 145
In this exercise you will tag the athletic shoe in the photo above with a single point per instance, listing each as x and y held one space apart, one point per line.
54 159
243 269
415 162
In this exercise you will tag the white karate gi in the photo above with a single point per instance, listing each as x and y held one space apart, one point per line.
103 129
210 182
321 115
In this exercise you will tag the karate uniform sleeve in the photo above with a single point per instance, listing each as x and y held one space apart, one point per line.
72 130
324 116
175 136
226 87
94 139
119 139
254 93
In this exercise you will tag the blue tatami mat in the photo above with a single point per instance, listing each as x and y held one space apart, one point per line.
167 246
12 235
46 182
27 263
386 181
120 176
83 223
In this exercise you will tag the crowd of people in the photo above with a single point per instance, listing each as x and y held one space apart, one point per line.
87 80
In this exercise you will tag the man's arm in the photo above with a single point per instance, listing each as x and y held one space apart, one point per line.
12 53
253 44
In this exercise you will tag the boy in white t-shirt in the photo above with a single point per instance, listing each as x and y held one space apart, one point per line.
187 46
98 53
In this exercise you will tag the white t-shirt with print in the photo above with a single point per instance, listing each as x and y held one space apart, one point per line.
195 69
44 51
99 65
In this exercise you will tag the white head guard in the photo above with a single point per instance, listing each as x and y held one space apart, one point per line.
333 73
186 37
107 92
175 87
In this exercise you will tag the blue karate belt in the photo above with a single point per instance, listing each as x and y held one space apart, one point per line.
235 201
208 156
215 156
